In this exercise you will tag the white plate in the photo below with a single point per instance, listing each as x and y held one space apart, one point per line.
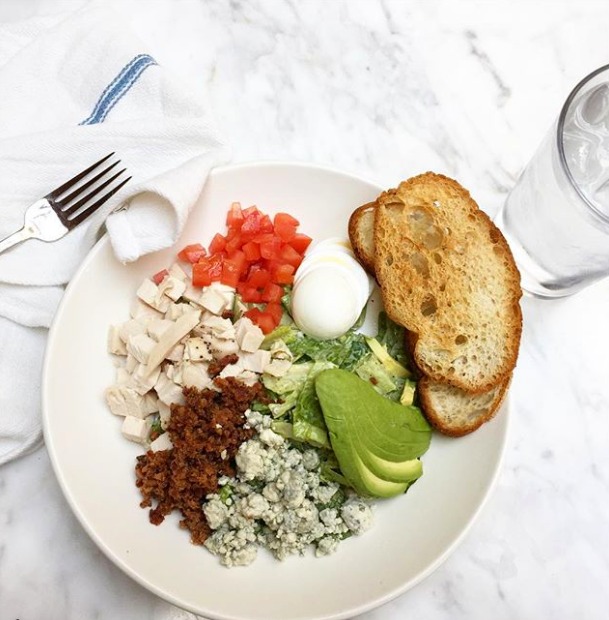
413 534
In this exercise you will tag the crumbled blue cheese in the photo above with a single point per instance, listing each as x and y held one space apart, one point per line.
278 501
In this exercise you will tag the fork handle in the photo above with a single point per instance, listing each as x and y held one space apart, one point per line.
15 238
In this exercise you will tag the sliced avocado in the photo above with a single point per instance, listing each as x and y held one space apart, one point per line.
392 432
376 441
394 367
368 483
404 471
394 441
407 397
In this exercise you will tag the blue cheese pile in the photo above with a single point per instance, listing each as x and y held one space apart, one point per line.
279 501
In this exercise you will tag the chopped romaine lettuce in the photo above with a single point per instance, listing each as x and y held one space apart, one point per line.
282 428
282 332
330 471
307 418
288 402
286 300
393 337
260 407
344 351
370 369
292 381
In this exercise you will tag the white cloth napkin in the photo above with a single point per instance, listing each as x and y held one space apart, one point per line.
73 92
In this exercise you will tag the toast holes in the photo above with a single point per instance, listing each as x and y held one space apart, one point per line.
460 339
437 258
497 251
394 207
429 306
432 239
442 287
419 263
451 370
389 260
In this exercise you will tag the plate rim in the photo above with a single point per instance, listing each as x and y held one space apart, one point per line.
504 411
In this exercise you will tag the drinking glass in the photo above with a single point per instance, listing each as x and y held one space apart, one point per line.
556 218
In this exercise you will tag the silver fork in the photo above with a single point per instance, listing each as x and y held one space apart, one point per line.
55 215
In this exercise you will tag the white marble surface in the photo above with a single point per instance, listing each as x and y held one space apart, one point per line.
386 90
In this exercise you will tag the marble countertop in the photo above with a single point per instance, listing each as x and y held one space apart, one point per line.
387 89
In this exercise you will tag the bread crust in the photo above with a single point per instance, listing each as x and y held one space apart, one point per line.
360 242
444 271
425 391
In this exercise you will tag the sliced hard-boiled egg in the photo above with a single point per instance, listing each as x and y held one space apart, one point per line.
330 290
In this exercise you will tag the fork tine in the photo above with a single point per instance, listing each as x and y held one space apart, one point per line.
94 192
96 205
64 202
66 186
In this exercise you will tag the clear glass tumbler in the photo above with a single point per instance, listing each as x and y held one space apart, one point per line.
556 219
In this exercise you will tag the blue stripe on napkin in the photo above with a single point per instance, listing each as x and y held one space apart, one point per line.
119 86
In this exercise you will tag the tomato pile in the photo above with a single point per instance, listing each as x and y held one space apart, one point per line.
257 256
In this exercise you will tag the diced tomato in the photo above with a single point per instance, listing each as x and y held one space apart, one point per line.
230 272
270 249
251 251
234 217
263 319
215 266
250 211
259 278
272 292
265 322
263 238
238 257
300 242
284 274
157 278
289 255
285 218
253 314
275 310
192 253
218 243
201 275
266 226
257 255
251 222
250 295
285 226
234 244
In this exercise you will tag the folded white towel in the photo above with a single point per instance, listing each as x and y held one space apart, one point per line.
73 92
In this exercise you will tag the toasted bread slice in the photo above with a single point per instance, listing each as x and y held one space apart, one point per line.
455 412
361 235
447 274
451 410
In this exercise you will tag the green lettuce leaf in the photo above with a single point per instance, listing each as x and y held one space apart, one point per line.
307 418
